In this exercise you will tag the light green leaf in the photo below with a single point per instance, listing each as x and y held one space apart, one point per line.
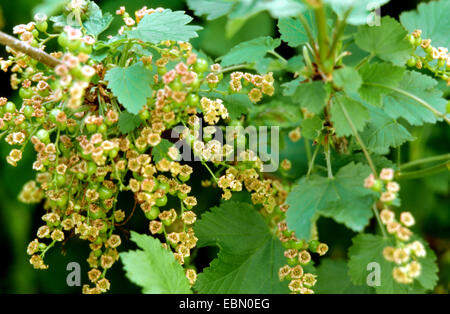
252 51
432 18
358 114
342 198
363 11
283 8
131 85
213 9
368 248
376 74
160 151
312 96
49 7
387 41
312 127
406 100
347 79
332 278
276 113
166 25
154 268
249 257
295 64
289 88
292 31
383 132
128 122
97 22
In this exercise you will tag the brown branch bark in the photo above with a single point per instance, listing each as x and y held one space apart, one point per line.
33 52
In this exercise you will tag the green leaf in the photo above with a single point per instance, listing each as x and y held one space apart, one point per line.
97 22
292 31
312 96
342 198
432 19
368 248
295 64
375 74
131 85
252 51
289 88
332 278
358 114
166 25
312 127
404 101
387 41
363 11
283 8
249 257
154 268
49 7
384 132
276 113
128 122
347 79
160 151
213 9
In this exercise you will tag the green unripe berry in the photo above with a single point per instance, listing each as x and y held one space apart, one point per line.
102 128
201 65
28 112
43 136
164 186
162 201
193 99
98 253
181 195
152 213
60 179
292 261
313 245
144 115
63 40
91 128
74 45
411 62
184 178
91 168
10 107
25 93
105 193
162 70
42 26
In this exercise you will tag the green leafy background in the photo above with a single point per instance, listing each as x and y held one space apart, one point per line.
427 198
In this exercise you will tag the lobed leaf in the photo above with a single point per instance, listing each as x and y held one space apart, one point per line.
165 25
249 257
131 85
154 268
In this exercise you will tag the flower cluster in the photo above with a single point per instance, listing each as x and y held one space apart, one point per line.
436 59
406 251
298 255
262 84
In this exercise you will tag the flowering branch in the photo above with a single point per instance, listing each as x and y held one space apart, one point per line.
33 52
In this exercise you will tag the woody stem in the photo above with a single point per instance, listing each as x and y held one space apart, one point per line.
33 52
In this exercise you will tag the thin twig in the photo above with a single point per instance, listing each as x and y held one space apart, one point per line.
33 52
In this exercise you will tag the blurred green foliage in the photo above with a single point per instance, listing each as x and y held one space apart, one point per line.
428 199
